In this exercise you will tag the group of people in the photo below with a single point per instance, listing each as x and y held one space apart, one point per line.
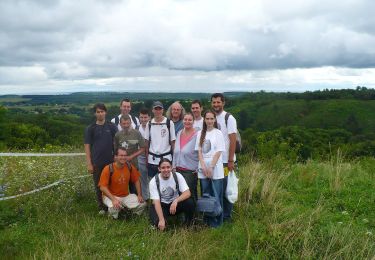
135 160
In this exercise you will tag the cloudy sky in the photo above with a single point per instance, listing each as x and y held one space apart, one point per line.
201 46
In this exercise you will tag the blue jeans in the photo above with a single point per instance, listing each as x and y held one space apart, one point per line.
152 170
206 188
227 206
142 167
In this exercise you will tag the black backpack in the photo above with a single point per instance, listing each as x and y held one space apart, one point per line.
134 119
157 180
238 136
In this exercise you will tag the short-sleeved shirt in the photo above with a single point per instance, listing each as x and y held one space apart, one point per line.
100 139
121 177
159 139
213 143
168 188
226 130
198 124
131 140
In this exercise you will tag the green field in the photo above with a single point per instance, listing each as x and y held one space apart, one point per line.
286 210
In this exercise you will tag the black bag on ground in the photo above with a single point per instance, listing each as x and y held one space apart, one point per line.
209 205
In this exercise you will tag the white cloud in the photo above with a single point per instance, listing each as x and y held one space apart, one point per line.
148 43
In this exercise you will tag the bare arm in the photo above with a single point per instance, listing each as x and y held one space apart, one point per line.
172 145
201 160
146 150
139 191
184 196
159 212
136 154
90 167
232 149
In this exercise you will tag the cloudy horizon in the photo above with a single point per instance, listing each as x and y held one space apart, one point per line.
69 46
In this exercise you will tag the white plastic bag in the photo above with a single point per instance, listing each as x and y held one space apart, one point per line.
231 192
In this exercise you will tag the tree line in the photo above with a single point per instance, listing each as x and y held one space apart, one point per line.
297 126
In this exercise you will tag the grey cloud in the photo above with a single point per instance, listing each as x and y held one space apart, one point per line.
104 39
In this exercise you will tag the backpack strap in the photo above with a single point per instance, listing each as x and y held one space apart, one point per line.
110 173
129 165
158 185
226 118
176 181
169 129
134 119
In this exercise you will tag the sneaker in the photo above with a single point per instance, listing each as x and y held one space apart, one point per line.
102 212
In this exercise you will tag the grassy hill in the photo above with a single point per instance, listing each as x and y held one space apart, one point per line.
285 210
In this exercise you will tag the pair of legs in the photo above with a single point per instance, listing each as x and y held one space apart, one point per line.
187 207
191 179
96 177
227 206
152 169
144 177
206 187
129 202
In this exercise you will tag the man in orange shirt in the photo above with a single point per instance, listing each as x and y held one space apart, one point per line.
114 183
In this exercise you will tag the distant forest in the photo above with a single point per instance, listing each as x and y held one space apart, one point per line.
296 126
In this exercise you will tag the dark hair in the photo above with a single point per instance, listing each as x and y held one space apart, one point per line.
125 118
165 160
120 148
204 129
220 95
100 106
124 100
144 111
197 101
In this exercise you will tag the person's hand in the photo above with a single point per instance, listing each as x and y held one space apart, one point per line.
173 207
140 199
116 203
90 168
161 224
230 165
204 170
209 172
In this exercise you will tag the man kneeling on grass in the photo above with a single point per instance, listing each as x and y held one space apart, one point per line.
170 196
114 183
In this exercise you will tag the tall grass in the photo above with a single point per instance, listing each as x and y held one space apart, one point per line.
316 210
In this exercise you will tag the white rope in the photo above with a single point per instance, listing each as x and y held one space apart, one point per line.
39 154
42 188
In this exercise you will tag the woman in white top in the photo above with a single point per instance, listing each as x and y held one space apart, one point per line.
210 145
185 157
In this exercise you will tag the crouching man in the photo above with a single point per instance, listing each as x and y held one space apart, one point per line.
170 196
114 183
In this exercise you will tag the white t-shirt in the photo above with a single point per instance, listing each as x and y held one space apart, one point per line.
159 139
131 119
232 128
142 131
198 124
213 143
168 189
